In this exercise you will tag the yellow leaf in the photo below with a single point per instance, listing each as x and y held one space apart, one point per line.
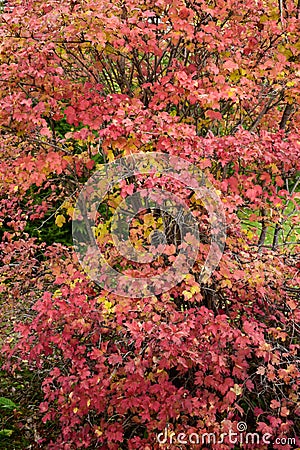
108 306
98 432
235 75
188 277
57 293
187 295
195 289
237 389
250 234
60 220
149 220
70 211
110 156
226 283
101 230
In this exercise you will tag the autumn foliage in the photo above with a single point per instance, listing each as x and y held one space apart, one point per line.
217 83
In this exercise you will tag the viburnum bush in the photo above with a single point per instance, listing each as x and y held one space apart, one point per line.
217 83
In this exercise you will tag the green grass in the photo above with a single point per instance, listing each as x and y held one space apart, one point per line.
289 233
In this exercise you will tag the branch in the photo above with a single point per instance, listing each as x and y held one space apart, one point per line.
286 114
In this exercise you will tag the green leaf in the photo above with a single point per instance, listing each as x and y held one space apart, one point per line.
7 403
5 433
